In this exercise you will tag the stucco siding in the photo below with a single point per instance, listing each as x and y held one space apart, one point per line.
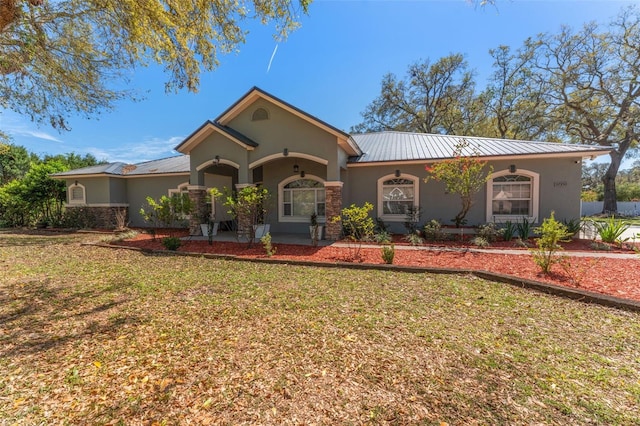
118 191
559 190
96 189
219 145
139 188
284 130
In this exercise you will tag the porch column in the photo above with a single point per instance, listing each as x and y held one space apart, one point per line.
333 207
244 222
198 197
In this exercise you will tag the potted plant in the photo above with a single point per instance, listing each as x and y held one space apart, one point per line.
315 229
208 225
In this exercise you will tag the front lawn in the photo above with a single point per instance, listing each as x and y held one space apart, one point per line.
106 336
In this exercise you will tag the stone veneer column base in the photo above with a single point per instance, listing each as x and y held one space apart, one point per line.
198 196
333 207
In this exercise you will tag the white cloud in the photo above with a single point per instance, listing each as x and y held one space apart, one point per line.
14 125
137 152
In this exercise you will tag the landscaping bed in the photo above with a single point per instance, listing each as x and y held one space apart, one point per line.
618 277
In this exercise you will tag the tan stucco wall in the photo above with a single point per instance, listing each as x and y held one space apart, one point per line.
139 188
285 130
559 190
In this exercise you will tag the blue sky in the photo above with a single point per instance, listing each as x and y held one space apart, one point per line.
331 67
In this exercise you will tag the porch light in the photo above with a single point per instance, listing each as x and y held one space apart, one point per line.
296 168
216 160
285 152
302 174
512 168
397 172
76 183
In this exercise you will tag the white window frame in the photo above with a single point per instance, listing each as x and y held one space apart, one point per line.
73 201
416 196
297 219
535 197
182 188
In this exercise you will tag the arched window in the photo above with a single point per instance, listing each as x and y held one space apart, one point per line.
77 194
397 196
300 198
512 196
260 114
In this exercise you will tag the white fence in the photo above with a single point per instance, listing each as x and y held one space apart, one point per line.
627 208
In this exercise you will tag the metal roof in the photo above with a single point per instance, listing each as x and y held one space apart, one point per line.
108 168
177 164
403 146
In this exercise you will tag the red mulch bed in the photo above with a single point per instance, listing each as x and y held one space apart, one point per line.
614 277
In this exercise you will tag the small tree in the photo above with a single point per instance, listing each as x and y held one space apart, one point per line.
168 212
552 233
464 175
249 207
357 225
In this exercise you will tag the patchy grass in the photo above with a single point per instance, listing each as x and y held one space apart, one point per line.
98 336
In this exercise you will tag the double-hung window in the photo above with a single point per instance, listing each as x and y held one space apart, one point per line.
397 196
300 198
512 196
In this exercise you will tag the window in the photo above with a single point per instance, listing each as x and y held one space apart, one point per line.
300 198
512 196
396 196
77 194
260 114
182 192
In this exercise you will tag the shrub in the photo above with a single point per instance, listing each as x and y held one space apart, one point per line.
573 226
524 229
269 249
551 233
489 232
388 253
357 226
433 231
414 239
481 242
382 237
171 243
509 231
611 229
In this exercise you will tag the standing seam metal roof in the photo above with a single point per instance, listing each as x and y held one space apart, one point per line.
404 146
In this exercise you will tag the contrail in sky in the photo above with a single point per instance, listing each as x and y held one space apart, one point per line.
272 55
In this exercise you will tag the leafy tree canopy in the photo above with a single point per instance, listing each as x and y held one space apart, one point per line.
59 57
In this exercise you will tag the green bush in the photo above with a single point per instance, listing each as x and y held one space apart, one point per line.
524 229
481 242
611 229
551 233
269 249
509 231
171 243
433 231
489 232
388 253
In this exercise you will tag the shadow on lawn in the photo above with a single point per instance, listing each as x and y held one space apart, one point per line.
36 317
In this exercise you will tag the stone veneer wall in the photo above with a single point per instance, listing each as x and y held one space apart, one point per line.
98 217
333 207
199 200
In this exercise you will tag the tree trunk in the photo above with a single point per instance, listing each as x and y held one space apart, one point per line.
609 180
